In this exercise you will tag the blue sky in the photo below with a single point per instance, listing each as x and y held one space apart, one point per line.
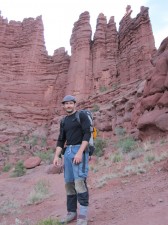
60 15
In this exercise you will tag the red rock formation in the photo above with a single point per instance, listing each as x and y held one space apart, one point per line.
93 63
154 102
108 72
80 81
31 81
112 56
104 54
136 46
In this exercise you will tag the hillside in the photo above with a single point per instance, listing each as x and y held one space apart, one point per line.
123 192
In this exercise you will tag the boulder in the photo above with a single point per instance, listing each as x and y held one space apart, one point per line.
32 162
52 169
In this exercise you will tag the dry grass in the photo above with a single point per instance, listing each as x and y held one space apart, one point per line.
137 160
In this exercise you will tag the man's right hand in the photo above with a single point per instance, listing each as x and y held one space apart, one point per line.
57 161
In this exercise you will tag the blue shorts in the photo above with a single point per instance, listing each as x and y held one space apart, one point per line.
73 171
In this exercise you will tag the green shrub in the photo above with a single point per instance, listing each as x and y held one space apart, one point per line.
117 157
150 158
39 193
49 222
115 86
8 206
126 145
26 138
19 170
33 140
7 167
136 154
100 144
4 149
17 141
43 141
120 131
95 108
46 156
102 88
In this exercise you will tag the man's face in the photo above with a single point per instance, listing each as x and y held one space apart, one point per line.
69 107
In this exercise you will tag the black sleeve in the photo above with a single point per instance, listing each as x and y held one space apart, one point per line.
61 138
85 124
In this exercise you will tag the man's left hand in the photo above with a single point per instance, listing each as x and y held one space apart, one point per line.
78 158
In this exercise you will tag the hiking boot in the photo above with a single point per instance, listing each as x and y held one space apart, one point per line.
69 217
82 220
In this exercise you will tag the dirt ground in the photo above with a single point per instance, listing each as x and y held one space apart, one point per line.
135 199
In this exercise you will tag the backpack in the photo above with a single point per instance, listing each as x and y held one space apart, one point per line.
93 130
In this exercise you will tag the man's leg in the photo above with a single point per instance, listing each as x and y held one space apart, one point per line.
83 199
71 197
80 172
70 189
80 175
71 203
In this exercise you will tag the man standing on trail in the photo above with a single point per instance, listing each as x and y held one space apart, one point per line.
76 157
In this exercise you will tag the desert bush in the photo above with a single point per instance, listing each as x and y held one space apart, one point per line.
95 108
26 138
17 141
33 141
115 86
49 222
40 192
8 206
103 88
134 169
161 157
117 157
120 131
136 154
100 144
19 170
163 141
43 141
104 179
150 158
4 149
21 222
46 156
7 167
126 144
147 146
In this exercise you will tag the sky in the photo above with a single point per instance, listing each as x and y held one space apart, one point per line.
59 16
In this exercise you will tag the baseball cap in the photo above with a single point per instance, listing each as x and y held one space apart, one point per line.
68 98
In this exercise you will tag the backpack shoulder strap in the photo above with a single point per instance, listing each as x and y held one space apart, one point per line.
77 115
62 122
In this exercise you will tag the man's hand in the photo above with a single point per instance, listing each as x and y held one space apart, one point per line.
79 154
78 157
57 161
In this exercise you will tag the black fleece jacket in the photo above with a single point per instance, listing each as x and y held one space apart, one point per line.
72 132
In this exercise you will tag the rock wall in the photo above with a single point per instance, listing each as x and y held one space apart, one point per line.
151 111
108 72
112 57
31 81
104 54
136 46
80 80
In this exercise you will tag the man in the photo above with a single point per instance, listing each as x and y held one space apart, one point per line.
76 157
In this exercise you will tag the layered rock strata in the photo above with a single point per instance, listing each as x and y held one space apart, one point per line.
33 83
112 57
